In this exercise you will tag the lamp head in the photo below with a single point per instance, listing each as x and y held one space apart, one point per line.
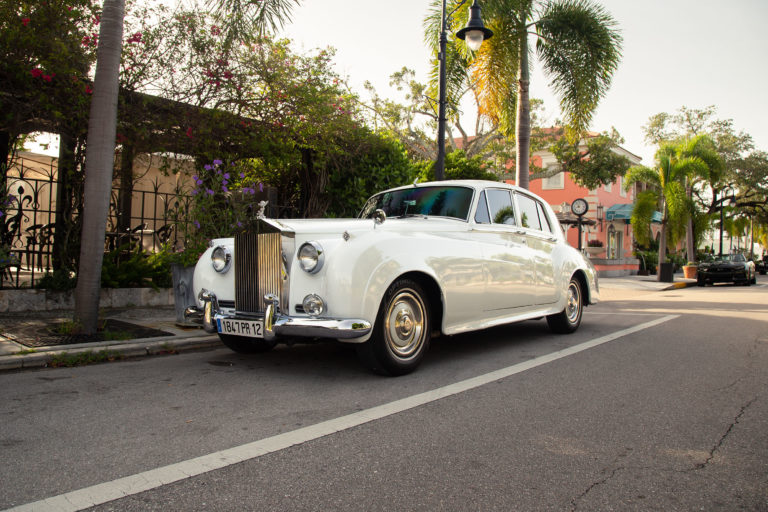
475 32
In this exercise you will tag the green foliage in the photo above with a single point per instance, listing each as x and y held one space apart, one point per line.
380 163
66 359
59 280
676 165
645 206
459 167
45 55
678 259
222 204
648 260
597 164
124 269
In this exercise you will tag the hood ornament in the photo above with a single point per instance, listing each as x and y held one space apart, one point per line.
260 213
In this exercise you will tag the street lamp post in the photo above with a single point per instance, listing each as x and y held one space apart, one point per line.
721 224
722 207
474 34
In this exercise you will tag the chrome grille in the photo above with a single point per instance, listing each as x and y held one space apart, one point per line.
258 270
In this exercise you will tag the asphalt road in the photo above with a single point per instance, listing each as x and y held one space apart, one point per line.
658 402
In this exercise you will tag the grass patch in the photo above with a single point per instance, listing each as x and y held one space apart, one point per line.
69 327
116 335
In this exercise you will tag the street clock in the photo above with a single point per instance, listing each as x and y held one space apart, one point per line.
579 207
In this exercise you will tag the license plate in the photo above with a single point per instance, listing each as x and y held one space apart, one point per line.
247 328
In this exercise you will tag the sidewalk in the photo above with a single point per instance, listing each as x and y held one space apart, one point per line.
175 339
158 323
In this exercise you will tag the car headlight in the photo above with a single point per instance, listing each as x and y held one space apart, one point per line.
221 259
311 257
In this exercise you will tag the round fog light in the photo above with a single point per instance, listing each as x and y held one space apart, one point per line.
313 305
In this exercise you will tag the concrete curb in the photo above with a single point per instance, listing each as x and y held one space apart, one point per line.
45 356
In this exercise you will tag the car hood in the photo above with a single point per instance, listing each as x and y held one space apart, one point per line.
333 226
723 264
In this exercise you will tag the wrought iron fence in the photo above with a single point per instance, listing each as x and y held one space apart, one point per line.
28 222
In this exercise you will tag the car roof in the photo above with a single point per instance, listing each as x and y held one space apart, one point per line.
476 184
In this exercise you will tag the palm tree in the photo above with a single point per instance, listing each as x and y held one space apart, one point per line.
99 162
102 126
575 42
668 181
703 148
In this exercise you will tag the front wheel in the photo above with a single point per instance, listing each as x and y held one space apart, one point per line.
569 319
401 333
243 345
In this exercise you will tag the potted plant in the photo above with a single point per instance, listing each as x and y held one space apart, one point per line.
689 270
594 247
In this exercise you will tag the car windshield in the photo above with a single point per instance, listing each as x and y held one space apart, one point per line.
440 201
726 257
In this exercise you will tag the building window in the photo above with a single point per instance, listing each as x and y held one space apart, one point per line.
556 182
620 184
608 187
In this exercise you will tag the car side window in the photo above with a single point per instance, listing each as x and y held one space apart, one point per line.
481 215
500 206
545 225
529 215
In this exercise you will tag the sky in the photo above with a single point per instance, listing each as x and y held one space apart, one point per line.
692 53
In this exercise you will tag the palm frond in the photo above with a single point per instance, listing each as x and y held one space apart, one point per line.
641 174
580 48
243 18
642 215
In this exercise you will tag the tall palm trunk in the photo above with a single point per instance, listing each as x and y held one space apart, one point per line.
523 117
99 163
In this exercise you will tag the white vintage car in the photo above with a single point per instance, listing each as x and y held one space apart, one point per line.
442 257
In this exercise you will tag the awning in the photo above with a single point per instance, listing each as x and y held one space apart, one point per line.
624 212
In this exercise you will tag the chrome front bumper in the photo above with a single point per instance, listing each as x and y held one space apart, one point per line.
276 324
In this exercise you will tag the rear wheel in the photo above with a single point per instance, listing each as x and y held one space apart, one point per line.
243 345
402 330
569 319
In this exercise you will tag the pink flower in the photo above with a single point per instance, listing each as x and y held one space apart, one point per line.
36 72
25 21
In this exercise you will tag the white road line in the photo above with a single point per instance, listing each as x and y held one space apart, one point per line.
152 479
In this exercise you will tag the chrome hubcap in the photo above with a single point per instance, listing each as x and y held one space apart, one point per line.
405 324
573 307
